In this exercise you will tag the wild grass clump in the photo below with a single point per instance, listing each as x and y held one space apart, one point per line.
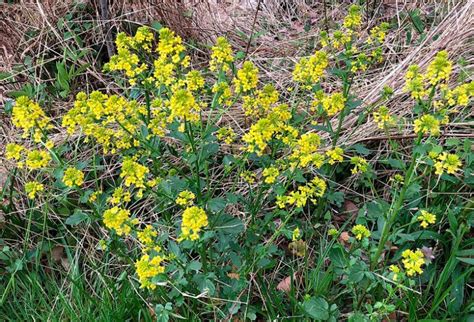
209 213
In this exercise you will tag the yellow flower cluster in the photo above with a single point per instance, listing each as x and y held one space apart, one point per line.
270 174
248 177
146 236
194 80
226 134
147 268
308 71
427 124
221 56
224 93
29 116
296 234
447 162
194 219
395 270
461 95
37 159
170 48
185 198
133 172
183 106
32 188
119 196
333 103
315 188
412 261
14 151
426 218
414 82
335 155
274 125
73 177
360 232
383 118
378 33
119 220
305 151
260 104
126 59
353 20
247 78
360 165
110 120
439 69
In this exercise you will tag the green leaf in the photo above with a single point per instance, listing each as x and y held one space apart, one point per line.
216 204
76 218
361 149
337 256
466 260
397 164
316 308
194 266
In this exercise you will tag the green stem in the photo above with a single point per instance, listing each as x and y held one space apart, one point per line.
398 204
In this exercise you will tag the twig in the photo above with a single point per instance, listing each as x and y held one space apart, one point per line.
252 30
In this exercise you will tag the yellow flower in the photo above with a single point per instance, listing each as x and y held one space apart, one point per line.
185 198
333 103
221 55
32 188
260 104
37 159
94 195
119 220
194 219
224 93
73 177
461 95
449 162
119 196
247 78
133 173
194 80
395 270
360 232
414 82
426 218
226 134
378 33
147 268
308 71
296 234
183 106
28 115
440 68
427 124
147 235
266 128
305 151
13 151
383 118
412 261
335 155
270 174
315 188
248 176
360 165
109 120
353 19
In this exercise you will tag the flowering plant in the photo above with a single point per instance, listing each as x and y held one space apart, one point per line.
210 205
